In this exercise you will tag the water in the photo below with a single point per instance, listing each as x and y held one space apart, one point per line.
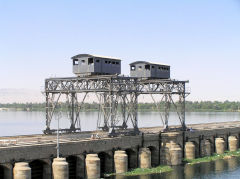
23 123
220 169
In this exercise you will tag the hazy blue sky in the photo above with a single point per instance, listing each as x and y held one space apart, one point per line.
199 39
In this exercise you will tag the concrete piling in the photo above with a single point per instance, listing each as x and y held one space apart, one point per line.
120 161
220 145
206 149
189 150
21 170
232 143
93 166
60 168
175 154
145 158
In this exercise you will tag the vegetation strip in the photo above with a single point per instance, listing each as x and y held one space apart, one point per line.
213 157
140 171
203 106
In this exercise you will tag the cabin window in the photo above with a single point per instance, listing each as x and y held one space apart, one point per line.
140 67
152 66
117 63
97 61
159 68
75 61
133 68
106 61
90 61
109 62
113 62
83 61
147 67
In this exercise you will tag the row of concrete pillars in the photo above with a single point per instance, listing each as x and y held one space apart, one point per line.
206 148
120 162
60 167
22 170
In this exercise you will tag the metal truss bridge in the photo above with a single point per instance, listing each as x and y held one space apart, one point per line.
117 97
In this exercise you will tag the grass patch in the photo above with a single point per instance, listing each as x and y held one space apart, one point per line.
140 171
213 157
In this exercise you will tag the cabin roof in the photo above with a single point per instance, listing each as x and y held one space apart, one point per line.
89 55
149 63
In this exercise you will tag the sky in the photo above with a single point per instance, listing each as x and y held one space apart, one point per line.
200 40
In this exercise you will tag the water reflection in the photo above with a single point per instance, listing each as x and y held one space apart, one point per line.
225 168
189 171
232 163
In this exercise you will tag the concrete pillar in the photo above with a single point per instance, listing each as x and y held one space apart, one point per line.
220 145
206 149
232 143
60 168
189 150
175 154
165 154
144 158
120 161
80 166
93 166
21 170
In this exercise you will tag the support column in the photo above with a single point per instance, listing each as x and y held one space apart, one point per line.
220 145
145 158
60 168
232 143
93 166
22 170
206 149
120 161
189 150
80 166
175 154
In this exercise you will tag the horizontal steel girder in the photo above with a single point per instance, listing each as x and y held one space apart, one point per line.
114 84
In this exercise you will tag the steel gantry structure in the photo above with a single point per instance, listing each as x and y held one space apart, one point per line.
117 97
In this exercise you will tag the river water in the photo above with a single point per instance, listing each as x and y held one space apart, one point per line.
220 169
23 123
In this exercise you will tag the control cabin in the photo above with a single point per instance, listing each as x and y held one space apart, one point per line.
144 69
86 64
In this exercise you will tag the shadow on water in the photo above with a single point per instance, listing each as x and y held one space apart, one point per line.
220 169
